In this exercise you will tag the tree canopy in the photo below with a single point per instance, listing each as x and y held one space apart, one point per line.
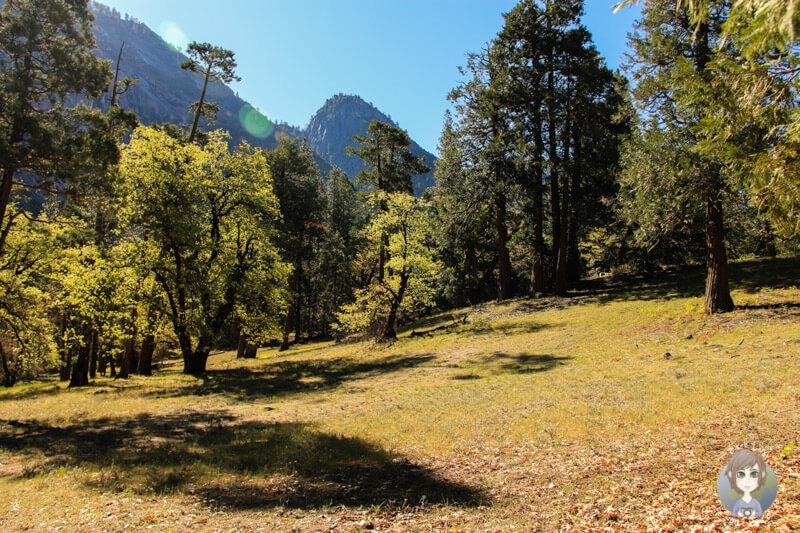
205 219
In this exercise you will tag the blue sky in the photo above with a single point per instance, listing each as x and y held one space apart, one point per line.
401 55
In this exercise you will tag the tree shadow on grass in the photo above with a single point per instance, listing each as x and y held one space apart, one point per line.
501 363
526 363
288 377
30 392
514 328
232 463
775 273
750 276
677 283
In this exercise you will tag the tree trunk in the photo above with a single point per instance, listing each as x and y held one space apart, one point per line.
561 255
537 268
503 258
199 109
245 350
241 350
197 363
134 364
9 376
290 312
382 207
298 308
66 353
718 294
389 331
146 357
101 363
80 370
116 77
766 245
125 367
65 372
5 195
573 252
552 143
382 258
563 215
287 327
185 343
93 355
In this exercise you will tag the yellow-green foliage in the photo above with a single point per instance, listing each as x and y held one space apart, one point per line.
204 219
409 272
28 265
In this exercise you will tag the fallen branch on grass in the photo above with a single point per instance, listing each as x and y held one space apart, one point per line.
453 324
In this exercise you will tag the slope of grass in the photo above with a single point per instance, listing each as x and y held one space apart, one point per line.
615 407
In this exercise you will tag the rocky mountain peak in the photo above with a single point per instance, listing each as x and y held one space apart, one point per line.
164 93
331 130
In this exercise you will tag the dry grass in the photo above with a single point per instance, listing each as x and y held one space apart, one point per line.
553 414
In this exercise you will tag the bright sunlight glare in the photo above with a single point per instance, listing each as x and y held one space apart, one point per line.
255 123
173 35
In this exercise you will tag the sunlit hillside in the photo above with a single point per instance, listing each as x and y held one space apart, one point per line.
567 412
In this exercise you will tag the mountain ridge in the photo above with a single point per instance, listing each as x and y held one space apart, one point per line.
165 91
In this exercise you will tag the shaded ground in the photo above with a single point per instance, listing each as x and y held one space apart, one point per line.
168 453
293 377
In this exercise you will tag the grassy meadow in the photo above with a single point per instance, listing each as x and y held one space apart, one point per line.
614 408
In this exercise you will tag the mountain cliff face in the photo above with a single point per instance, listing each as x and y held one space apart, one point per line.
164 92
332 128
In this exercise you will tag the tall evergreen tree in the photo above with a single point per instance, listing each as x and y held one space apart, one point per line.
465 243
385 151
482 150
536 128
671 66
46 66
214 64
298 188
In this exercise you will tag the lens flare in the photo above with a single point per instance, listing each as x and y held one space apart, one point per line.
173 36
255 123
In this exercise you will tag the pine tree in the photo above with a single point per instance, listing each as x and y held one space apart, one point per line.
214 64
535 131
298 187
482 152
45 67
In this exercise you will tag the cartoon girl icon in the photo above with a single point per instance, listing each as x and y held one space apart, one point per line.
752 481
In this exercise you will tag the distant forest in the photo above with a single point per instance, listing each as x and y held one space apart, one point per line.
154 239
